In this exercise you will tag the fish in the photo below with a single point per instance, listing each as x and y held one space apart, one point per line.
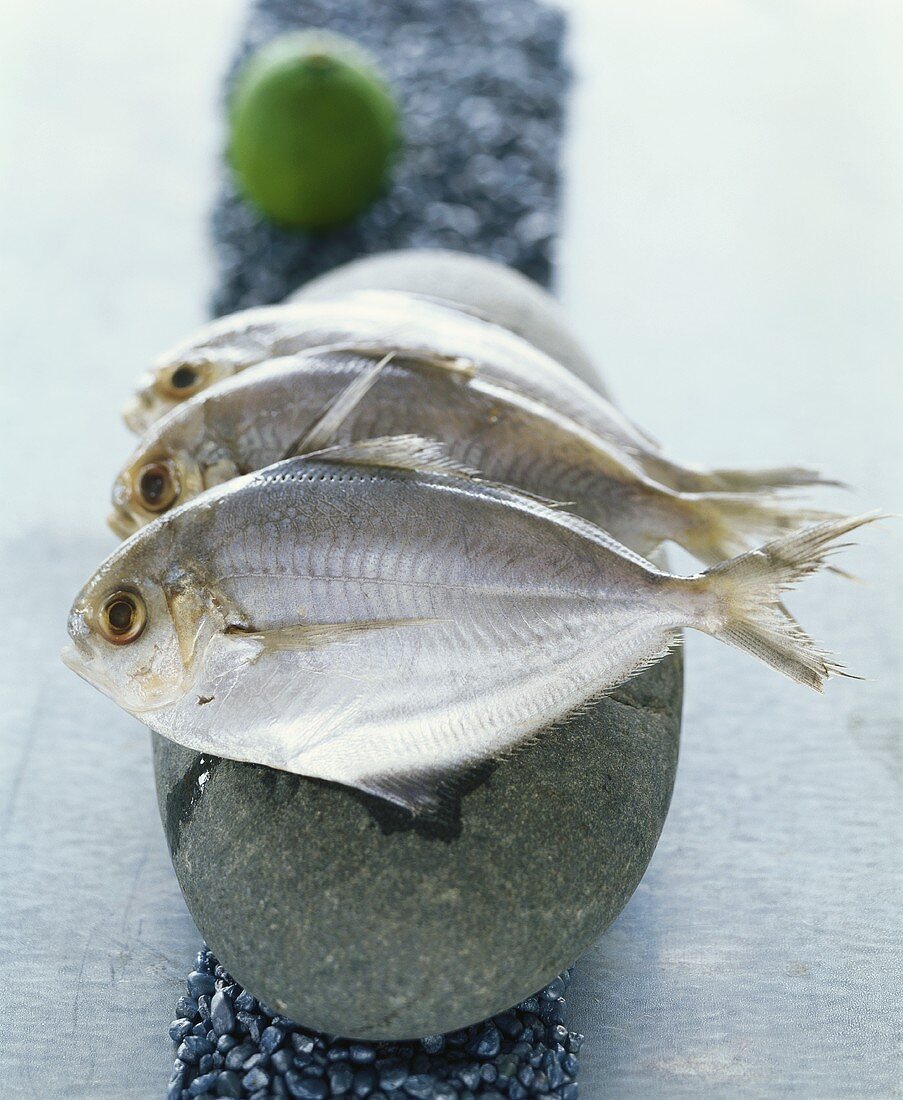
276 409
233 343
379 322
375 616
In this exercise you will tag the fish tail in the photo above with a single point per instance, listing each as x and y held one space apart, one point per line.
772 477
690 479
716 526
744 606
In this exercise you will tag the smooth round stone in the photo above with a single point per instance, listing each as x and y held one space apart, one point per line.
348 915
499 292
341 913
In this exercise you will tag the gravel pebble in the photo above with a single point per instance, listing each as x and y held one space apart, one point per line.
200 983
364 1081
271 1038
193 1048
222 1014
202 1084
306 1088
178 1029
361 1054
341 1078
256 1080
492 1059
229 1084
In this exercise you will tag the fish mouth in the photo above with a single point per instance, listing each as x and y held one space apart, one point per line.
75 658
141 411
122 524
79 657
71 658
136 416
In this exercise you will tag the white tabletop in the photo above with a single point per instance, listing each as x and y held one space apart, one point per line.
732 248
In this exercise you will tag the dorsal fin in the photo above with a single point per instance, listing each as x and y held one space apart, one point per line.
392 294
425 456
414 355
398 452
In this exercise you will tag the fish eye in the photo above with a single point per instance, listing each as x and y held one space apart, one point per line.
123 617
184 381
157 485
183 378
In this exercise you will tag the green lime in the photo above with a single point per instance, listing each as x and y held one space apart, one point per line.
313 130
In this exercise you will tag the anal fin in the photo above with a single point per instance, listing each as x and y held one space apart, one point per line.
419 794
427 799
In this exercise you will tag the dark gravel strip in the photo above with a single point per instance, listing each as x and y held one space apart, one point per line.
482 86
229 1044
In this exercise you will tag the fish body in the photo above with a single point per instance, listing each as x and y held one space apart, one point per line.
253 419
380 320
384 321
376 617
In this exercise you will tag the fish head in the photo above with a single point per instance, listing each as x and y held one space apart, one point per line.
175 378
124 639
157 478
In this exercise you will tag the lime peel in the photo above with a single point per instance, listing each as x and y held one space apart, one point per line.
314 130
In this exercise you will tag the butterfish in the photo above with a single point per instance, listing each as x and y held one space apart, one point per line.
384 321
312 400
374 616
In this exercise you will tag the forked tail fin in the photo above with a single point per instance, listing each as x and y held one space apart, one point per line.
747 611
774 477
690 479
717 526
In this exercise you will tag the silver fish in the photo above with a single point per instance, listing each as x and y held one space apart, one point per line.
270 411
383 321
373 616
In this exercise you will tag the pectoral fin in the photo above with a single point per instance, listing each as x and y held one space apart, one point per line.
322 433
307 636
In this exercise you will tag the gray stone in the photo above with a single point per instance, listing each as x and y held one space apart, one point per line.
509 297
344 914
350 916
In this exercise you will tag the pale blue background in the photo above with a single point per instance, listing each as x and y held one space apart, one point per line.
733 249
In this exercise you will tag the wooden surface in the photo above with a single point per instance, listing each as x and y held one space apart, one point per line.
733 253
